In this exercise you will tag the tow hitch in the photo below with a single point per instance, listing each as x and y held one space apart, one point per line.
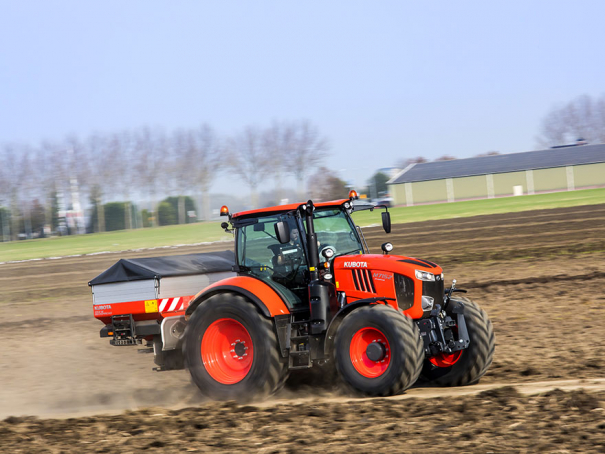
123 330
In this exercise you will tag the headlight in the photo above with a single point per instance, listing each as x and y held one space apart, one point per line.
386 247
328 252
425 275
427 303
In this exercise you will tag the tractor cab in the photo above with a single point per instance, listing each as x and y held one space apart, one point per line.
275 246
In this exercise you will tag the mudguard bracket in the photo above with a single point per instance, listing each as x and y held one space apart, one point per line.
283 329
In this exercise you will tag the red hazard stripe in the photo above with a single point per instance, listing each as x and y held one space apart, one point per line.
174 304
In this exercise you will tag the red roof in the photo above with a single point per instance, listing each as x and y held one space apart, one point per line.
285 208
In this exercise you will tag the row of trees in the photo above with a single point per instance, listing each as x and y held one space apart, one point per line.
148 164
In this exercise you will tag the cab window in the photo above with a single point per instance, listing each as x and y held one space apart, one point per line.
260 254
335 229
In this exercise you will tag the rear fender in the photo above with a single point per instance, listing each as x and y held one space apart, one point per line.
267 300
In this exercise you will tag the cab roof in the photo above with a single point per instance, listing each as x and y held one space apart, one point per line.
285 208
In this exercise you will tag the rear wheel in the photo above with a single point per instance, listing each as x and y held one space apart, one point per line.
378 351
231 350
465 367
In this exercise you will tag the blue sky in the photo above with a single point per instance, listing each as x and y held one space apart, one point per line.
384 80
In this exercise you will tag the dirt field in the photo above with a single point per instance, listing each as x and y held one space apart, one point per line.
540 276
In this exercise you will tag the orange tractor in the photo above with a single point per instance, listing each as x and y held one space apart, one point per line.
306 292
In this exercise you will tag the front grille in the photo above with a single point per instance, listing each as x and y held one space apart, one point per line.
363 281
435 290
404 291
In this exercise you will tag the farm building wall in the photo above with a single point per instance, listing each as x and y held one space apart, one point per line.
470 187
499 184
550 179
429 191
589 175
397 191
505 182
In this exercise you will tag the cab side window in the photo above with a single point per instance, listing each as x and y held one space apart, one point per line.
262 255
258 246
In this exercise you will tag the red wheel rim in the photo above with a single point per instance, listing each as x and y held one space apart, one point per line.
446 360
359 344
227 351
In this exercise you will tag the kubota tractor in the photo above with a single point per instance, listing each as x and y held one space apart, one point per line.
308 293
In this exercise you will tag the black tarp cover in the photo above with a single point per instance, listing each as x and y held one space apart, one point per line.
173 265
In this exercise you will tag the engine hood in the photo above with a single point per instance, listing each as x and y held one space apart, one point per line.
389 263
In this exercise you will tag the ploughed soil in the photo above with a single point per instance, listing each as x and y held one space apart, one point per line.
540 276
500 420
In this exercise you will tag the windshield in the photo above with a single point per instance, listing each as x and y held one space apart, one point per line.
335 229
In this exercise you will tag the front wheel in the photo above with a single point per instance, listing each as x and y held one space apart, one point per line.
231 350
465 367
378 351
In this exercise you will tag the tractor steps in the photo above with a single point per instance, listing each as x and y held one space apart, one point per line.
299 360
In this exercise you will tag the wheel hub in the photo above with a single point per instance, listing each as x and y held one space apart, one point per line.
227 351
376 351
370 352
239 348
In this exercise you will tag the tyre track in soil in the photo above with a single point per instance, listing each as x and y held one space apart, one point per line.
328 395
504 236
432 228
425 392
541 217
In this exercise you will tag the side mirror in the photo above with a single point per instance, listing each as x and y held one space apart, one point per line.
282 232
386 221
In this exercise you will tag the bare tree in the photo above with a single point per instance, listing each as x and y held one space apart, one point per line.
12 187
248 160
100 176
326 186
7 187
48 160
446 157
308 148
28 187
206 162
279 142
121 149
182 151
151 147
581 118
82 168
196 161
